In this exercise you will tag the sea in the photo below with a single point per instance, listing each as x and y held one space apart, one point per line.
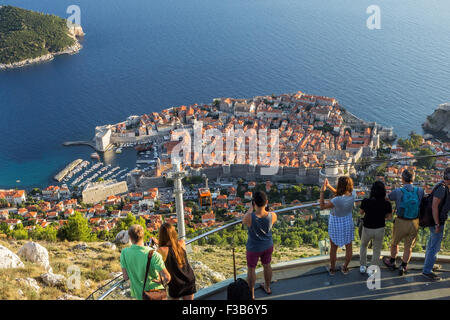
144 56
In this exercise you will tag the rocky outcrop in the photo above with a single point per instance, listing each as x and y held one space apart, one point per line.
122 237
52 279
35 253
76 30
9 259
27 62
109 245
204 276
81 246
30 282
439 122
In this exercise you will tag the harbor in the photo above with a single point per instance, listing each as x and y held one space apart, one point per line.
114 164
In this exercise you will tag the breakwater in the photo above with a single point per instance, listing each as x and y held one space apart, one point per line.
67 169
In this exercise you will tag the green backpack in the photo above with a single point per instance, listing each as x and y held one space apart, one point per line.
410 204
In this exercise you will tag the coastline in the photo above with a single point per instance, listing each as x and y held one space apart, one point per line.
45 58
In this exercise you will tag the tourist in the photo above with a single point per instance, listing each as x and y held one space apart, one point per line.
406 224
376 209
259 244
440 208
340 224
133 261
173 251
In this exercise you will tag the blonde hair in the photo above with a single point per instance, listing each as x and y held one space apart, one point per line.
136 233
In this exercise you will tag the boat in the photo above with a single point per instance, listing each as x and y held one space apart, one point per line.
144 147
95 156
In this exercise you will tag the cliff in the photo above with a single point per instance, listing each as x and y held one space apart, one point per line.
76 31
439 122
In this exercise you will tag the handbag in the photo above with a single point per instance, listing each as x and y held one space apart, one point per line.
154 294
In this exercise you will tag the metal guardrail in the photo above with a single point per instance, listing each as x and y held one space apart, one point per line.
120 283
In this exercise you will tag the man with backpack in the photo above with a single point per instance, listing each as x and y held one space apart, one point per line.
406 224
440 206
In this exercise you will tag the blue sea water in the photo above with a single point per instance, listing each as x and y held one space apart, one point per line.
142 56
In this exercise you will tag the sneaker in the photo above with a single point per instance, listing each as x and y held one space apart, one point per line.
362 269
431 276
388 263
403 270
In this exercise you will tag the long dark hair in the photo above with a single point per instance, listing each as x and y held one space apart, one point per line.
168 237
378 190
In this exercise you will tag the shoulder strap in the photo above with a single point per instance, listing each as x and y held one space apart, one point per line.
150 254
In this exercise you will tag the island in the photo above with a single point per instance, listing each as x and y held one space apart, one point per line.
28 37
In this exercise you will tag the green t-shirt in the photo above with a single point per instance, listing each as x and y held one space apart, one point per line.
134 260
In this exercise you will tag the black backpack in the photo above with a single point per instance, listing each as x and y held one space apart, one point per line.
239 289
426 212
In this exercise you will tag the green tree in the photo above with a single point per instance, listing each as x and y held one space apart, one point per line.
413 143
19 232
4 228
77 228
426 163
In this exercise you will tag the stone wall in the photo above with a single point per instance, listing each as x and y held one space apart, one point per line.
101 191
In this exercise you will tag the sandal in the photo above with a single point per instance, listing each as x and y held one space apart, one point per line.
344 270
331 272
263 286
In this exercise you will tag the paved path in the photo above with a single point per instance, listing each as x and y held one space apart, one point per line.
318 285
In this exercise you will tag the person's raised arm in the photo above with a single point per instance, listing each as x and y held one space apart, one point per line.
331 188
274 217
247 219
324 205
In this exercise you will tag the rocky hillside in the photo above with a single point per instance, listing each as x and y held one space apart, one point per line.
43 271
439 122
